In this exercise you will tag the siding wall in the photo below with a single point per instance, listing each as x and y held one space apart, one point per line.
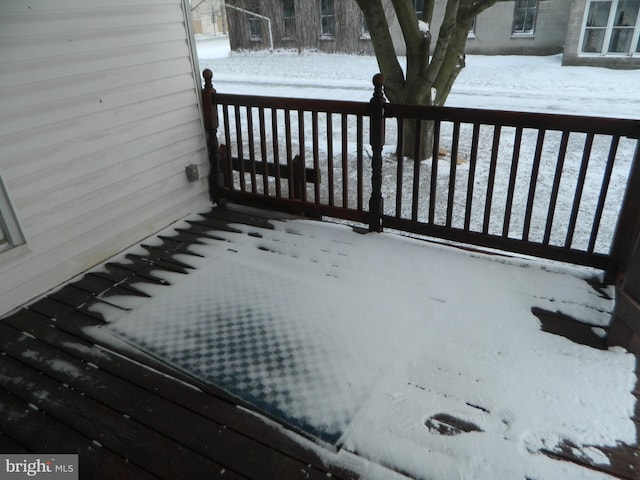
99 116
494 27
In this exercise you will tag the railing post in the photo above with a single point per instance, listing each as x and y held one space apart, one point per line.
210 114
628 223
376 139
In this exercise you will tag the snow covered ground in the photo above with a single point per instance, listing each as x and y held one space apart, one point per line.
426 333
521 83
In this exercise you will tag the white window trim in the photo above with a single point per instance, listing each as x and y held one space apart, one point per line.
9 221
607 35
327 35
530 34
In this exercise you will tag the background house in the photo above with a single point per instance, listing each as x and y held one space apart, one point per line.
586 32
327 25
99 116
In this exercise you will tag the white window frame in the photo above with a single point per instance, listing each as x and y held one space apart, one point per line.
11 234
255 28
419 9
329 17
525 33
289 19
604 52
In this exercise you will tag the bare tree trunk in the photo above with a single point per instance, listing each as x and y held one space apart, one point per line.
429 75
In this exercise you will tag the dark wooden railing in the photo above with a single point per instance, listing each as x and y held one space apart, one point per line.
514 206
552 186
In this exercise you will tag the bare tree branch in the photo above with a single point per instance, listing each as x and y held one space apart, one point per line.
382 41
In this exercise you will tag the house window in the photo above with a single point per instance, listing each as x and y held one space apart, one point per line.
524 17
612 27
255 28
364 28
289 18
328 18
419 7
472 31
10 231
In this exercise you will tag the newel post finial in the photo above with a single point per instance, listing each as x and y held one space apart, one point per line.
207 74
378 85
376 139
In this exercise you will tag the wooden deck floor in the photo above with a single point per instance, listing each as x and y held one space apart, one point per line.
125 414
129 416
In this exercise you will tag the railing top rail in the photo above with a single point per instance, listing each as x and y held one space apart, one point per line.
290 103
548 121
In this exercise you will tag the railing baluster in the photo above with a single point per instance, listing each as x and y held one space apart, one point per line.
473 161
303 162
512 181
289 149
330 159
263 152
562 152
252 152
586 154
316 153
360 161
345 161
492 178
227 139
416 170
276 151
240 145
604 189
399 168
434 171
452 171
533 183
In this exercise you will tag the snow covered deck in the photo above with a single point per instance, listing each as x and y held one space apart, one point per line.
385 354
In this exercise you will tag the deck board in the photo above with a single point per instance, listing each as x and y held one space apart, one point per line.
149 419
177 422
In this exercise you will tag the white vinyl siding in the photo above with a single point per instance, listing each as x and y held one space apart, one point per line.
99 116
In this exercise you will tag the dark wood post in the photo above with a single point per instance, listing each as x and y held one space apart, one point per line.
298 178
210 114
628 223
376 139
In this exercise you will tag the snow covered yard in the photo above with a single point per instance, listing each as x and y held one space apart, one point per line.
422 358
518 83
